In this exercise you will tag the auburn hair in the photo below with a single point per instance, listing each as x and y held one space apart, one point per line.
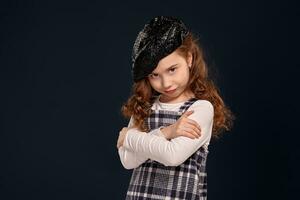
143 95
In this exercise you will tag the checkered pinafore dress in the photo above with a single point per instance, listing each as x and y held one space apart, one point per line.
153 180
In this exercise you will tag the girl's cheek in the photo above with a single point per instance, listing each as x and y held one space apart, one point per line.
155 86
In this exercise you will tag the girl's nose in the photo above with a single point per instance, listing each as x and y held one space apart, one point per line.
166 83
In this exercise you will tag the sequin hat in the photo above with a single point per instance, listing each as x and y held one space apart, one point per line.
159 38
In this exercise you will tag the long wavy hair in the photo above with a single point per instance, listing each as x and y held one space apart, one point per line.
143 95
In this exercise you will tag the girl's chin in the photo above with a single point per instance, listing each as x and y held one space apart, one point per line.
169 95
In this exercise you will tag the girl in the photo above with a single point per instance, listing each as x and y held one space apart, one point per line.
175 109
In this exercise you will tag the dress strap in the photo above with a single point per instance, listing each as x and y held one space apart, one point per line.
187 104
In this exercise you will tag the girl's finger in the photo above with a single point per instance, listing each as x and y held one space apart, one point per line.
191 131
189 135
194 128
194 123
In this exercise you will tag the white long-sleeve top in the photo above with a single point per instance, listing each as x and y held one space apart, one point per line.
140 146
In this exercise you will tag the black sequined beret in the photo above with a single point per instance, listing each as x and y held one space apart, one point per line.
159 38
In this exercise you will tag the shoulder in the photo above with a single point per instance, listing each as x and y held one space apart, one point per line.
202 105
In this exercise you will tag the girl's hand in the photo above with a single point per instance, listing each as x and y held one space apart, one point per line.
121 138
182 127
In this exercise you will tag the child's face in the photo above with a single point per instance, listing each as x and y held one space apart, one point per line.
171 76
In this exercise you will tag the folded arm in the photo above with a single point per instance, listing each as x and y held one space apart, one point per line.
173 152
131 159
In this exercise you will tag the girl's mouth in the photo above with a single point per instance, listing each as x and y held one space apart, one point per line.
170 91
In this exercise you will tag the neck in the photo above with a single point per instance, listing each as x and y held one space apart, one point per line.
183 97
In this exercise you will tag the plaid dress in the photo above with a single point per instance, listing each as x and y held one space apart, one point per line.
153 180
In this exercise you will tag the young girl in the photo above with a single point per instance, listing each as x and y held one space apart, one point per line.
175 109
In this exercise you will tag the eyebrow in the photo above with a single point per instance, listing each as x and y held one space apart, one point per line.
168 67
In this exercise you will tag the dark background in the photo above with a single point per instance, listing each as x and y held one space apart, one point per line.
65 72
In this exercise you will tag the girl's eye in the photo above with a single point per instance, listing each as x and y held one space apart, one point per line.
173 69
153 75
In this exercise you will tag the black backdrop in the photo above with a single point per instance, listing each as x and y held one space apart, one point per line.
65 72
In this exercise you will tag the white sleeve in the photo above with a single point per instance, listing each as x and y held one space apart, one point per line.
132 159
177 150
